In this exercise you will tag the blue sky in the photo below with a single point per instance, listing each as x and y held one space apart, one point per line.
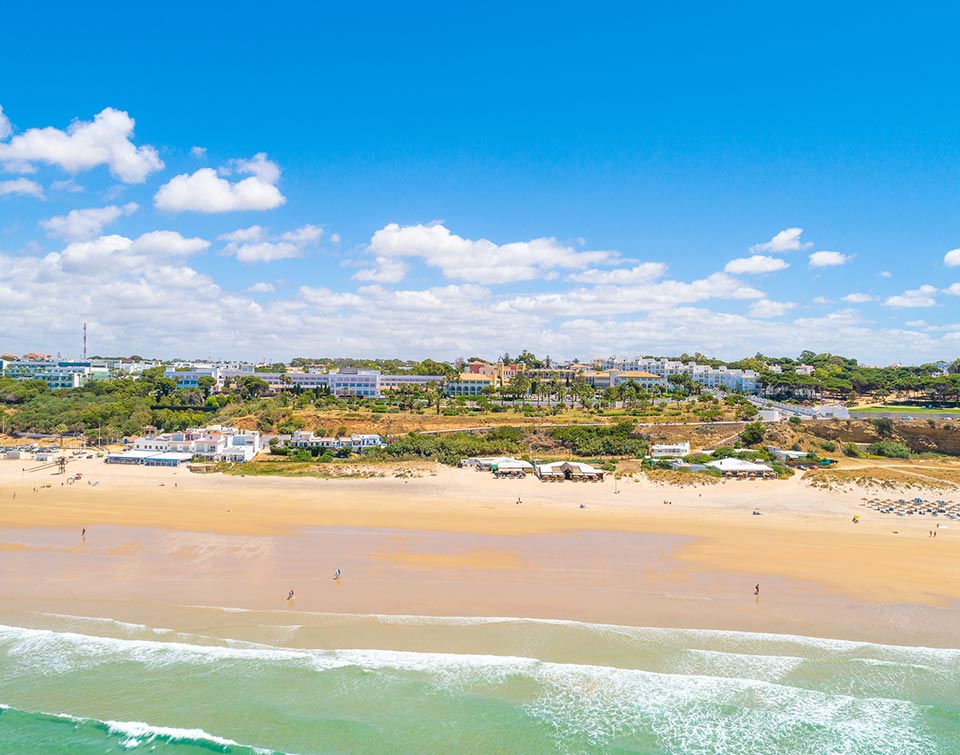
430 179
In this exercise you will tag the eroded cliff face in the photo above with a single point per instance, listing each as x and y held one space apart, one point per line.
937 436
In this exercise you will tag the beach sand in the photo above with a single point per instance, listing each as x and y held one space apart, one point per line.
454 542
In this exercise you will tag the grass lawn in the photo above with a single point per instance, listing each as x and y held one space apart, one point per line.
906 411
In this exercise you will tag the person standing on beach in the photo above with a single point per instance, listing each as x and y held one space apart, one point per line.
756 590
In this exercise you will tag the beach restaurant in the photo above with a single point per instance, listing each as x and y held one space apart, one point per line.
504 465
578 471
740 468
150 458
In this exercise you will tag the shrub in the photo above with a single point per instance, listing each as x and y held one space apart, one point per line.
852 449
891 449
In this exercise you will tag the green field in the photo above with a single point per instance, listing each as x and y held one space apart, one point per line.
906 411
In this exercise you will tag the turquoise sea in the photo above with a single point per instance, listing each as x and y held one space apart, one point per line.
232 681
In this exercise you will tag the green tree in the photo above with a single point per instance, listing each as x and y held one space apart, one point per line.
206 384
752 434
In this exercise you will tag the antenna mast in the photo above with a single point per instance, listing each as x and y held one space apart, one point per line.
84 342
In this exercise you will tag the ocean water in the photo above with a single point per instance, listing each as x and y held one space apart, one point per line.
288 682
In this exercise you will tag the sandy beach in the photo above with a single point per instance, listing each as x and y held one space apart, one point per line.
451 542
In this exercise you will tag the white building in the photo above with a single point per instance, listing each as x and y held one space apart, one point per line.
356 443
392 382
213 443
659 450
56 374
344 382
711 377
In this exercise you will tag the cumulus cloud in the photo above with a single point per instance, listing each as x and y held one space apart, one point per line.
68 185
480 260
199 153
610 300
253 233
828 259
80 225
205 191
113 257
262 287
265 251
385 270
788 240
258 165
82 146
5 128
22 186
756 264
917 297
952 258
168 244
885 274
253 244
768 308
857 298
303 235
640 273
953 290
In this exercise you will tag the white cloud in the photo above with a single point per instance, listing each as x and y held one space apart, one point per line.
335 238
253 233
788 240
618 300
5 128
205 191
80 225
199 153
756 264
640 273
265 251
918 297
385 270
84 145
481 260
168 244
952 258
857 298
259 166
767 308
111 257
261 287
21 186
251 244
822 300
303 235
885 274
953 289
69 185
828 259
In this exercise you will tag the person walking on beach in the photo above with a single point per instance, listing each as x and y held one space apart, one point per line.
336 576
83 532
290 594
756 590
